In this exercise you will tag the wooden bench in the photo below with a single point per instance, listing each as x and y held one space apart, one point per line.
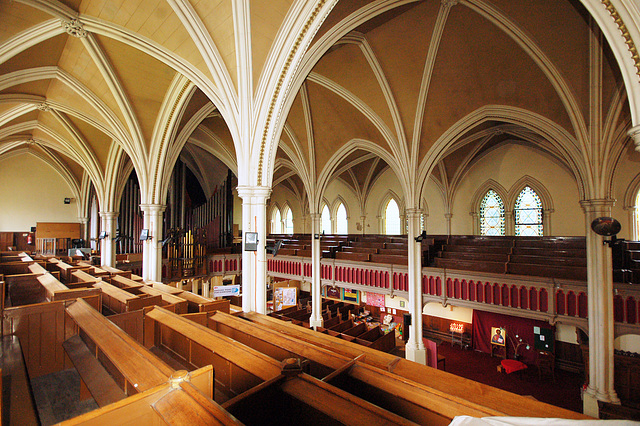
198 303
18 405
472 265
96 381
352 256
238 367
389 259
131 365
169 301
117 300
123 282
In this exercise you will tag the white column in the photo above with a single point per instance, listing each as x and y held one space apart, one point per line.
206 286
632 212
316 298
634 133
363 220
414 349
85 229
509 223
151 248
260 196
600 311
476 223
248 304
546 221
254 264
107 246
447 218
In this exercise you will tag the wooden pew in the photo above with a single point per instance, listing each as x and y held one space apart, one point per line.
203 304
453 388
238 367
117 300
169 301
123 282
18 405
184 399
392 259
353 256
131 365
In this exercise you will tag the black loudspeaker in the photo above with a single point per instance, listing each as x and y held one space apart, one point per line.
406 323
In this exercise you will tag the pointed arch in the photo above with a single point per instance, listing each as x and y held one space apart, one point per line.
536 185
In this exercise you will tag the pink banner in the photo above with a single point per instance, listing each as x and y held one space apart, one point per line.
375 299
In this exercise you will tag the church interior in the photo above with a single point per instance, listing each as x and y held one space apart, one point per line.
319 211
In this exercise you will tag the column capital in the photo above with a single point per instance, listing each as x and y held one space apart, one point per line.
597 204
448 215
83 219
109 215
414 212
153 208
246 191
315 215
634 133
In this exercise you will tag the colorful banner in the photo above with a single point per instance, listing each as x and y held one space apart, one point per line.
375 299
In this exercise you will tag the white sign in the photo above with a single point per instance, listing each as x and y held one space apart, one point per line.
226 290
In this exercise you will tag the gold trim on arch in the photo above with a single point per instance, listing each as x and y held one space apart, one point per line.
625 33
287 64
164 137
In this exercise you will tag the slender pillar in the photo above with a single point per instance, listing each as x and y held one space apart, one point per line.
254 264
85 228
509 223
414 349
151 248
107 246
363 220
316 298
476 223
260 196
600 310
447 218
546 221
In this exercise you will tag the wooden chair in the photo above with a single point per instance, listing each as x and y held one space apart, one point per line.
546 363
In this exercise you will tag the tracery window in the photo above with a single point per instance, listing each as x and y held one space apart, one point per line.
326 220
528 213
288 221
342 227
491 214
392 218
276 224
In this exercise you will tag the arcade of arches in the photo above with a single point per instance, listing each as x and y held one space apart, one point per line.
467 117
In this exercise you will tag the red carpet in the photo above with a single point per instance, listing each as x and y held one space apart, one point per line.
481 367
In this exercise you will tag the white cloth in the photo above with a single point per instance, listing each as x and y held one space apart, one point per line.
534 421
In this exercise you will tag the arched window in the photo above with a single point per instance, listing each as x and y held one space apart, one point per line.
392 218
326 220
492 214
341 220
288 221
528 213
276 224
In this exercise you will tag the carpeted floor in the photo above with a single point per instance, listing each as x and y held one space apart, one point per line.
564 391
57 397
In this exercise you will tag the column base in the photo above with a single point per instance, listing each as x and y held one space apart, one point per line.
590 404
415 354
316 322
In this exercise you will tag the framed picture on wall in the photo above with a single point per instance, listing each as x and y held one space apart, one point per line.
498 336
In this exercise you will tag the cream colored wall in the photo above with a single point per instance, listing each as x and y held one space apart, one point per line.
386 182
281 197
506 165
31 191
627 170
436 224
456 313
338 191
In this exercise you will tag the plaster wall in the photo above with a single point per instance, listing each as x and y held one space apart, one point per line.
32 191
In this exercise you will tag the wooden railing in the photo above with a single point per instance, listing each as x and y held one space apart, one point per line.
548 299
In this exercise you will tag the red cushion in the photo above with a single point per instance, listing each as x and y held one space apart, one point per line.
512 365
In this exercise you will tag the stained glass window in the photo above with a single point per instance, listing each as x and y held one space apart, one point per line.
528 213
392 218
341 220
491 214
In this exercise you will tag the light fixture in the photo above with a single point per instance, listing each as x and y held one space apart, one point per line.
607 227
274 248
103 235
144 235
67 200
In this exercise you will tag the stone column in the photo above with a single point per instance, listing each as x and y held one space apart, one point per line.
600 311
632 213
509 223
546 221
476 223
152 248
85 229
316 298
107 246
248 303
254 264
414 349
363 220
447 217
